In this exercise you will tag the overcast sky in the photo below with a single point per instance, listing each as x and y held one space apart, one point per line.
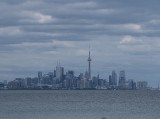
123 35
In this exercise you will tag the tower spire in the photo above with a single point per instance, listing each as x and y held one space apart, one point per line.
89 64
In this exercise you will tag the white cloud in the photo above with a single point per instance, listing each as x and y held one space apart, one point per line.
155 21
43 44
36 17
139 45
105 11
76 5
11 31
43 18
130 41
135 27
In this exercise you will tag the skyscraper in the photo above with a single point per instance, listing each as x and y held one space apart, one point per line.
89 65
110 80
142 85
59 73
114 78
39 77
122 80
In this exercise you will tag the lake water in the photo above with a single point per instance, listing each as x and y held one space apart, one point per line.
92 104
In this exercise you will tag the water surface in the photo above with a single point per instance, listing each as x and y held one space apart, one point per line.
91 104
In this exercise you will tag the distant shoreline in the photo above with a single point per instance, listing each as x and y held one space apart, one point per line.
86 89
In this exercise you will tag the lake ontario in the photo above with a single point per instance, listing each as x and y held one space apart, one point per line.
79 104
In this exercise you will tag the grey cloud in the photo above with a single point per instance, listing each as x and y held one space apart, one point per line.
28 30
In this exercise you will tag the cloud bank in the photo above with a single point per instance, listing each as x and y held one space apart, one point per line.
34 35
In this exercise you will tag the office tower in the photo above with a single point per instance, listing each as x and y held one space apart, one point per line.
51 77
28 81
110 80
80 76
39 77
95 81
142 85
59 73
71 73
87 75
114 78
89 65
130 84
87 84
54 72
122 80
5 82
100 83
82 84
69 80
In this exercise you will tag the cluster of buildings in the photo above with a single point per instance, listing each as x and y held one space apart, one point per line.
58 79
124 84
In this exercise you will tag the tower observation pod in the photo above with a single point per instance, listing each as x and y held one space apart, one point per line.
89 65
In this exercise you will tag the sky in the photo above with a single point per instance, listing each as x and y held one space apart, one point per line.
122 35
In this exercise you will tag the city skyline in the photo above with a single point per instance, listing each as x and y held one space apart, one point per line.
124 35
59 79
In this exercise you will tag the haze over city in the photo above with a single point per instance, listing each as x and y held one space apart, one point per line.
123 35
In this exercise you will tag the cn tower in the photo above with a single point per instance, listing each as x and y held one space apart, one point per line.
89 65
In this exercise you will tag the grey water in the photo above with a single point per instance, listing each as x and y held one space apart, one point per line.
79 104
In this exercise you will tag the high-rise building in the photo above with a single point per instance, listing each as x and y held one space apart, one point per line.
95 81
89 65
39 77
59 73
114 78
5 82
130 84
122 80
110 80
69 80
87 75
71 73
142 85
